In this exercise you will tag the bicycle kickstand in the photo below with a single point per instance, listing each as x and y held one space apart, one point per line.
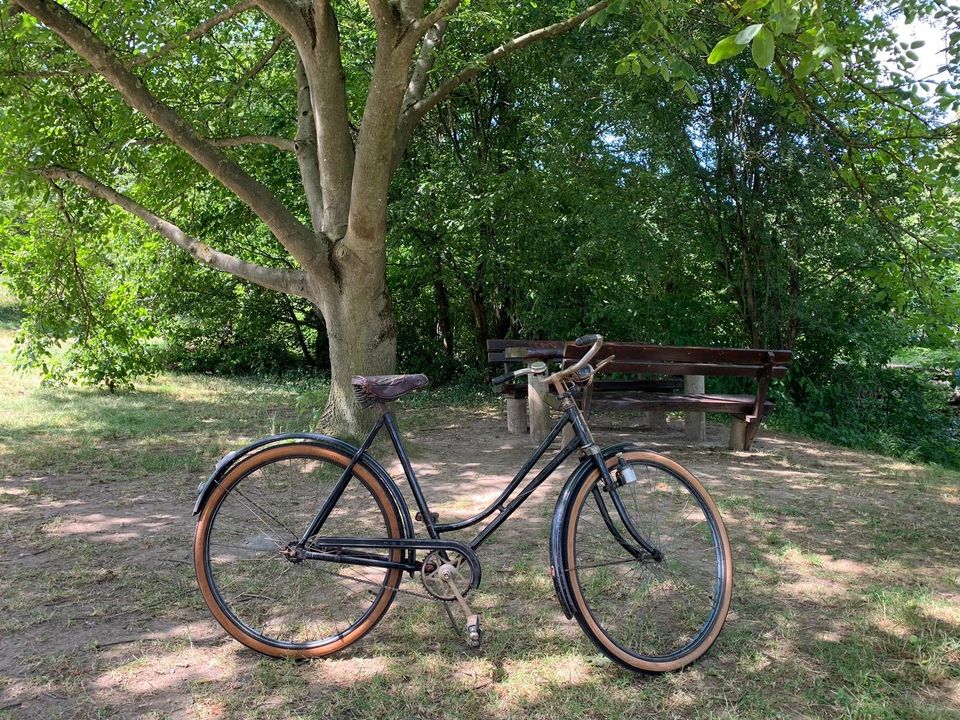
448 574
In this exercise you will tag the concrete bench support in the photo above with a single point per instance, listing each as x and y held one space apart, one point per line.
516 415
538 409
695 423
657 419
738 434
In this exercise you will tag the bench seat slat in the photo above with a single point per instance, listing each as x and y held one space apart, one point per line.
683 368
731 404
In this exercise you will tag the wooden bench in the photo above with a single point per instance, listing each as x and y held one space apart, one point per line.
694 364
654 397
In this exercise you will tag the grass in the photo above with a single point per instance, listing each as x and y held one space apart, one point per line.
846 599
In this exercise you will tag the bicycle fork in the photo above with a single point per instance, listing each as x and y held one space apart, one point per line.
625 475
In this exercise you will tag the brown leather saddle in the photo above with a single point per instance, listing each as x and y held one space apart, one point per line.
374 389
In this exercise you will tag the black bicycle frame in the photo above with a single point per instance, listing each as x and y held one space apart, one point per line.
434 529
583 439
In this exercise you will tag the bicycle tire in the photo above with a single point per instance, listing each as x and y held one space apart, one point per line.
281 608
649 615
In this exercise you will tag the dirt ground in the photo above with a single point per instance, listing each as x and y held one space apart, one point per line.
101 616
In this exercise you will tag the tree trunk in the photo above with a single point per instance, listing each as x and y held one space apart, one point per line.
442 297
363 341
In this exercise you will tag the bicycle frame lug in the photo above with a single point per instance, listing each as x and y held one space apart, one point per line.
435 516
293 552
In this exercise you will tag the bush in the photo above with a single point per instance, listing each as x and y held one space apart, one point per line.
895 411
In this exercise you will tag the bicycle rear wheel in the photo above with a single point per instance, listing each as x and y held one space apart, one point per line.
648 613
276 604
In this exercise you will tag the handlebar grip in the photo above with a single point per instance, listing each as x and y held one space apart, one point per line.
585 340
500 379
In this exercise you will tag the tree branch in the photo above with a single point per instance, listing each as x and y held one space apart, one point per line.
313 27
280 143
443 9
195 34
417 111
306 149
382 14
257 67
288 16
292 234
291 282
425 62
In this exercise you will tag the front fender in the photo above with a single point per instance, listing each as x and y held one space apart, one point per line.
366 460
560 513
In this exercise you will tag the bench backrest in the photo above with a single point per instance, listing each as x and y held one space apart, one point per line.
498 350
667 360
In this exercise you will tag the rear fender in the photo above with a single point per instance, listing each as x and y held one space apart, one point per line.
229 460
558 535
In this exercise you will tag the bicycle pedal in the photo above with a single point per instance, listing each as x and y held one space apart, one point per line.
474 632
434 516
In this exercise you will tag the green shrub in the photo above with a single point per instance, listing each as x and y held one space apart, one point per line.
896 411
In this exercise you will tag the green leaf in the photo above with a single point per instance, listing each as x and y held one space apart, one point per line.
808 64
752 6
789 23
748 33
836 67
726 48
810 36
823 51
763 47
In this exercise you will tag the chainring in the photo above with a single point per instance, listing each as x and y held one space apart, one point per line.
435 585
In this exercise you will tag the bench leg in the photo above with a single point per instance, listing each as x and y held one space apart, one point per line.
538 410
516 415
695 423
657 419
738 434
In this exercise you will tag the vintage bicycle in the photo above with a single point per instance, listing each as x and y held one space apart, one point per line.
302 540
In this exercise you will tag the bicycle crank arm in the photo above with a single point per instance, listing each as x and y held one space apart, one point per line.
332 552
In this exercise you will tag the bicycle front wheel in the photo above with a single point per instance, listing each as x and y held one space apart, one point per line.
276 603
647 565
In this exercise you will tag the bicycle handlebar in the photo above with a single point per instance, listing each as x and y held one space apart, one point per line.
597 341
539 368
536 368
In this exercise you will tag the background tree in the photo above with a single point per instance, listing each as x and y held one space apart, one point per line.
361 89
